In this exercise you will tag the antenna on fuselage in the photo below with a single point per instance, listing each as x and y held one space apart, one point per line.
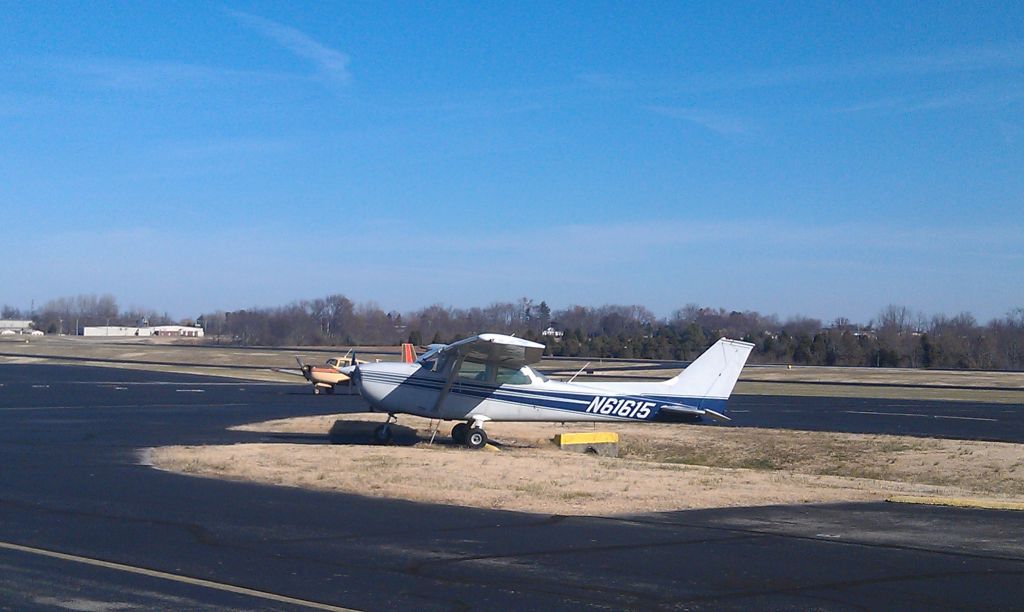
578 373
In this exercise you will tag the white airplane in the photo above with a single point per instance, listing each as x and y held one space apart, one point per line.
489 378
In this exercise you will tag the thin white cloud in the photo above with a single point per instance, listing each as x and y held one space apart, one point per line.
331 63
994 57
720 124
131 74
981 97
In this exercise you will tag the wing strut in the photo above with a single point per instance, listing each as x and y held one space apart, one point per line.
447 385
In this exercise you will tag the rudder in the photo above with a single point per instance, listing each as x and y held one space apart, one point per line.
714 373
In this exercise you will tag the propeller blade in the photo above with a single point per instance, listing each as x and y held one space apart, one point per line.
351 368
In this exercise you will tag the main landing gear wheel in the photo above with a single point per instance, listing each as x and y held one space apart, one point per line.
476 438
383 434
316 389
459 433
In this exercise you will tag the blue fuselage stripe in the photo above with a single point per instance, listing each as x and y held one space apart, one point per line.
555 400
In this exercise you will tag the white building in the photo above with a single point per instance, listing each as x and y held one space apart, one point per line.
10 327
182 331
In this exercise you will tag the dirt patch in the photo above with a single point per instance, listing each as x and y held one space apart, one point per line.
663 467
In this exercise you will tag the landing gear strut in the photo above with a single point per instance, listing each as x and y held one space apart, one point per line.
383 433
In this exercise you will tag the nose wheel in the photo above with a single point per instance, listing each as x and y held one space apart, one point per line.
472 436
383 434
476 437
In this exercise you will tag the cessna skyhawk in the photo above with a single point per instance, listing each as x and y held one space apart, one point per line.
489 378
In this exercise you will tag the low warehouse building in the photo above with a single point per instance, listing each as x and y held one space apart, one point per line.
10 327
183 331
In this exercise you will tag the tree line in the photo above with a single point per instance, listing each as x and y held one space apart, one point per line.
896 337
68 315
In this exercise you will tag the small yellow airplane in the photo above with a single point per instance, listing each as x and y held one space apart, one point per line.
329 375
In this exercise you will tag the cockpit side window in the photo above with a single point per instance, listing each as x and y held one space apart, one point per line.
471 370
509 376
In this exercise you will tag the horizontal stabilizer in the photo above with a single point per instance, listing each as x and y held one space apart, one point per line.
683 410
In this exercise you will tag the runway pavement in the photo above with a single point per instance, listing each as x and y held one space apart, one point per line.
931 418
84 525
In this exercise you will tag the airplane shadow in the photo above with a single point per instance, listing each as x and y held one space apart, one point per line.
354 433
361 433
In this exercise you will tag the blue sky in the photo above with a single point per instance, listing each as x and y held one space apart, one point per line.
792 158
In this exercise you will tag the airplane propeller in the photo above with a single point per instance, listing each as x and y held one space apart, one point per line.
351 370
304 368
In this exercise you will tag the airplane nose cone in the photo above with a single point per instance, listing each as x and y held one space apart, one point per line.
372 393
378 383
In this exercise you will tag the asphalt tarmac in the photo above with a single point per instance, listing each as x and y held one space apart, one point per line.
930 418
85 525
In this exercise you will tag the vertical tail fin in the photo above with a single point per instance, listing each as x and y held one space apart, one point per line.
408 353
714 373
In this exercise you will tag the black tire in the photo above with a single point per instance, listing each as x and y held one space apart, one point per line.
459 433
383 434
476 438
316 389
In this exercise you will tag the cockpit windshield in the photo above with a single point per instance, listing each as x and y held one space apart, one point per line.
479 371
428 360
536 375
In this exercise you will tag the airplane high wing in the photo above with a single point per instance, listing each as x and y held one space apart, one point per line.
488 378
507 351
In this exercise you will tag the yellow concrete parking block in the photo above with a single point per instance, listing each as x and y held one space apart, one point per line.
597 437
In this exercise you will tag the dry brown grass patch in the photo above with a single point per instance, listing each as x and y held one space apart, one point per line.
662 467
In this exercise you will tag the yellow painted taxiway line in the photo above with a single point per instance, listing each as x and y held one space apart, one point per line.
957 502
209 584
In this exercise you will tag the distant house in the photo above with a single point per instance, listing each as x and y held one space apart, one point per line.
551 332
